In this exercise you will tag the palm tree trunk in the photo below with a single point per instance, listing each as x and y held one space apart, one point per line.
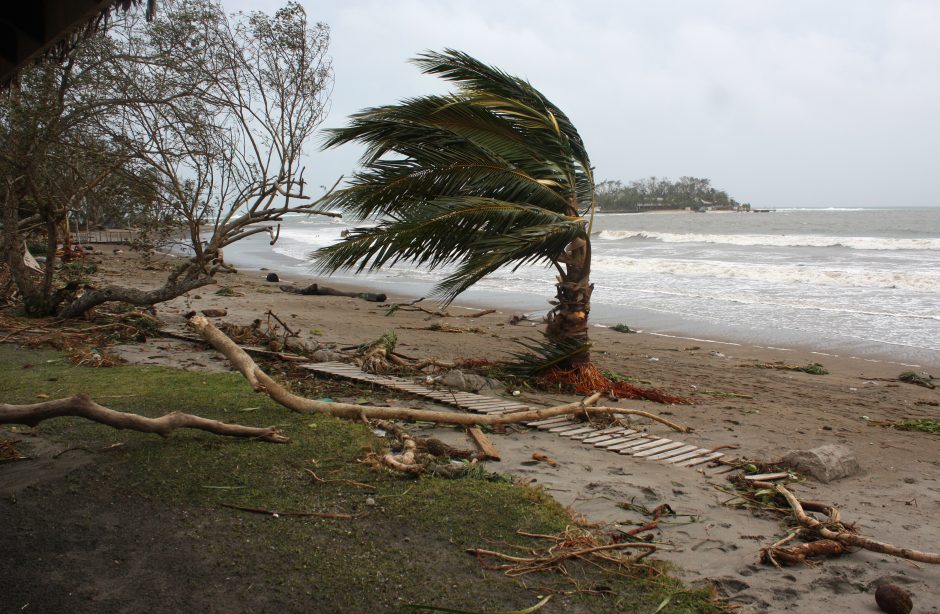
568 321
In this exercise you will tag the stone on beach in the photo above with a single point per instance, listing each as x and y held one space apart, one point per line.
825 463
469 382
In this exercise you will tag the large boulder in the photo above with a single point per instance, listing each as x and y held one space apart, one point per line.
825 463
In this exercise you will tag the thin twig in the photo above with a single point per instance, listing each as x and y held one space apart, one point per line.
255 510
328 481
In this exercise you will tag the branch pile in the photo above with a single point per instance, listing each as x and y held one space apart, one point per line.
572 545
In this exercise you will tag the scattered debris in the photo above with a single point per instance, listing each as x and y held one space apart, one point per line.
572 544
261 382
622 328
813 368
588 378
542 458
318 290
918 379
414 306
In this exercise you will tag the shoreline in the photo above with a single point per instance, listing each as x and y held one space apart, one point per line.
247 257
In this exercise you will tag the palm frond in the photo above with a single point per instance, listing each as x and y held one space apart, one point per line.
446 230
493 175
540 355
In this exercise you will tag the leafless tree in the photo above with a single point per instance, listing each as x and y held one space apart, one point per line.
210 113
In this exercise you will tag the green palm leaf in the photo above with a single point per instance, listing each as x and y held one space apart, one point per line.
492 175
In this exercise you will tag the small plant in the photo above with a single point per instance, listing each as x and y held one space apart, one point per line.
78 272
622 328
316 332
620 377
924 425
225 291
919 379
814 368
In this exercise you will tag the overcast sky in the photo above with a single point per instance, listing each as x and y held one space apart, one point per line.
781 103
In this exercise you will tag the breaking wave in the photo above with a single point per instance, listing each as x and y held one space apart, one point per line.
861 243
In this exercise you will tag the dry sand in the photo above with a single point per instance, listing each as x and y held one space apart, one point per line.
895 499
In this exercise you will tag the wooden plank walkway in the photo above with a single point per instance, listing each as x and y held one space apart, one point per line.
621 440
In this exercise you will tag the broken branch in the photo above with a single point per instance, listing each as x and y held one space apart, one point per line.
261 382
82 406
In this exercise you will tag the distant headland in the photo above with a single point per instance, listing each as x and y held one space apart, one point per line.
662 194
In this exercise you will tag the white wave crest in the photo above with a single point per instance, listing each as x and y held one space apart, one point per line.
861 243
783 274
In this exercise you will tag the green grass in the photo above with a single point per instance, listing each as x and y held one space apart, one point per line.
416 531
924 425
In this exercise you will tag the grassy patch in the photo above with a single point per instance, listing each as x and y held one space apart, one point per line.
405 544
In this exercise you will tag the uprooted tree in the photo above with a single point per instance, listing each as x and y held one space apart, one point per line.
198 120
491 176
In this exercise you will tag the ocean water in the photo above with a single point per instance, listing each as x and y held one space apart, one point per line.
860 282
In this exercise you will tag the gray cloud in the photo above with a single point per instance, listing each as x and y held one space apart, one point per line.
781 103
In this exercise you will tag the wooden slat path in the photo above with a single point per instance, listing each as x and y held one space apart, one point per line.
462 400
621 440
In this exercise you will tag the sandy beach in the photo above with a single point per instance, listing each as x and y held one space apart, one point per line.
761 413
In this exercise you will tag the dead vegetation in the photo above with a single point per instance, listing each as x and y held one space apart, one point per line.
821 538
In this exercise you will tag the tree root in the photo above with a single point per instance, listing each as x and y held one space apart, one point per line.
793 555
835 531
82 406
261 382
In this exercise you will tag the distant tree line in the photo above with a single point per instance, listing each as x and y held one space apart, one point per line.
655 193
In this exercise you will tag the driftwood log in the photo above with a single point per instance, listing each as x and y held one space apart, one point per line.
82 406
318 290
840 534
261 382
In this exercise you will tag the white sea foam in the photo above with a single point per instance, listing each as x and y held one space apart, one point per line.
825 275
861 243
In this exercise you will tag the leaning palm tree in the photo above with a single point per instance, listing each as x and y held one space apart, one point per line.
493 175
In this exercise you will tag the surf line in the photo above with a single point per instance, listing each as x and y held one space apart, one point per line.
695 339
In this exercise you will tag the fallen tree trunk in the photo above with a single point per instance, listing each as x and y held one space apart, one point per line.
318 290
261 382
82 406
843 536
